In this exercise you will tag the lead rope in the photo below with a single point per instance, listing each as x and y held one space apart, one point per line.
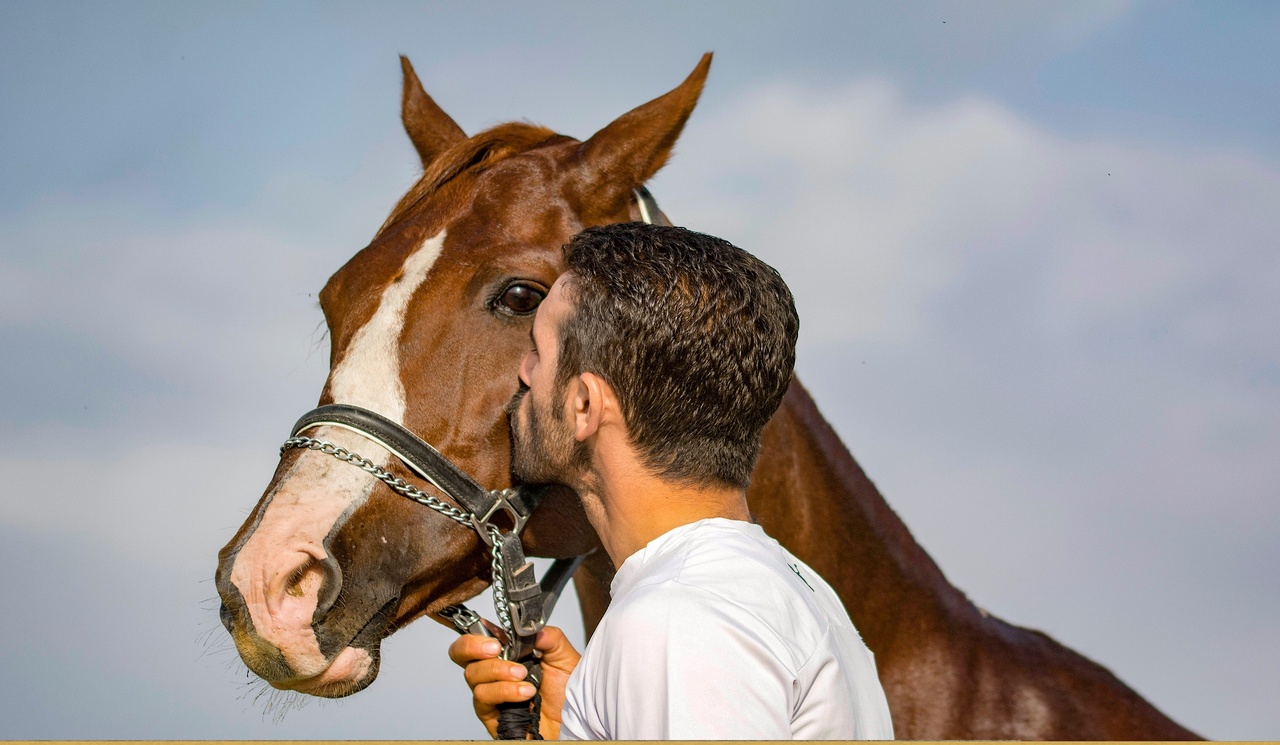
519 720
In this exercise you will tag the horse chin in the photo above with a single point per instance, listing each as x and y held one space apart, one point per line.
356 666
350 672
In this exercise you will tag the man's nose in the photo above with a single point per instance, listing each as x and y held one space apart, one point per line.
526 365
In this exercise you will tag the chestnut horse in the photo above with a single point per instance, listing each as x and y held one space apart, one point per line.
427 325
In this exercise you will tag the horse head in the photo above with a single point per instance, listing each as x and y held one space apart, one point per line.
427 326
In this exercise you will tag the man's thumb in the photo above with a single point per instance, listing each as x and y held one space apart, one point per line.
556 649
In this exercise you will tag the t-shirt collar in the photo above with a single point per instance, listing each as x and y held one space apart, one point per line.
633 566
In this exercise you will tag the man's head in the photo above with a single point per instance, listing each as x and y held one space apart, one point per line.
694 337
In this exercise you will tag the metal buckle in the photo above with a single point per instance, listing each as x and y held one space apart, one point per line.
500 502
465 620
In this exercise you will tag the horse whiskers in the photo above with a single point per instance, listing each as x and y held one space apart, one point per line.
211 641
276 704
317 341
280 703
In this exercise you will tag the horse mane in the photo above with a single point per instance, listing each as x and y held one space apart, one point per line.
473 156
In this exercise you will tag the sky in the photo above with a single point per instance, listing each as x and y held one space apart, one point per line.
1033 245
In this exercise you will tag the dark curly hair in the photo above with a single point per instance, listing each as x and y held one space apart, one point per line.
696 336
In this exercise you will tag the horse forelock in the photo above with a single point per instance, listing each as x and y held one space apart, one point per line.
474 155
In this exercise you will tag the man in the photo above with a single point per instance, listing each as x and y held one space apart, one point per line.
657 359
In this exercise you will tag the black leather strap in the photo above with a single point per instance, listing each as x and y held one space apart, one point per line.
417 454
555 579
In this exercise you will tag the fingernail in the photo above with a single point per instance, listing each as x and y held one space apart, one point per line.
519 671
527 690
490 647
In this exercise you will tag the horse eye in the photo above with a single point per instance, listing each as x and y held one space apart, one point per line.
520 299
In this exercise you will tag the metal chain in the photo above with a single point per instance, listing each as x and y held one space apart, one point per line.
397 484
405 489
500 606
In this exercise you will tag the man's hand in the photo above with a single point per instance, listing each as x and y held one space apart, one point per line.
494 681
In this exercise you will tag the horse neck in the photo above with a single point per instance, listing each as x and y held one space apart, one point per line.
811 495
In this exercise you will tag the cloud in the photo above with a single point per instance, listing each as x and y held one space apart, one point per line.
893 202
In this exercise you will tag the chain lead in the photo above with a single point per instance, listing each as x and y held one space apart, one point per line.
500 606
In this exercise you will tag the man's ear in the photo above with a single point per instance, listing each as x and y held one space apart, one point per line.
592 400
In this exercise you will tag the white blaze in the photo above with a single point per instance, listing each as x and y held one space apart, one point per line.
319 489
368 375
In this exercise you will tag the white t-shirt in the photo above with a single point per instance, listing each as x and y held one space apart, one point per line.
715 631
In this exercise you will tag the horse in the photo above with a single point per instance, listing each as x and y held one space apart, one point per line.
427 325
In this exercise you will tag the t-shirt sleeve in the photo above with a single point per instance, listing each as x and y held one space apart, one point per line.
682 663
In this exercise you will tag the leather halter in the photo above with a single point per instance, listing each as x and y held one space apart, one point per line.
428 463
528 602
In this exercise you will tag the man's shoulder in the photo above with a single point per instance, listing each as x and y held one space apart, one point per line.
727 575
742 563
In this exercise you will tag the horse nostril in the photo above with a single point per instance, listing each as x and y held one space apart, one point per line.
330 585
224 613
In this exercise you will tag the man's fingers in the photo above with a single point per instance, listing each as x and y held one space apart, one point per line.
471 647
493 671
492 694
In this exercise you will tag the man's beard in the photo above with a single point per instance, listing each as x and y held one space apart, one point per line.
543 449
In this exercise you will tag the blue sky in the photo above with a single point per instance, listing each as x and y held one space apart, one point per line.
1033 247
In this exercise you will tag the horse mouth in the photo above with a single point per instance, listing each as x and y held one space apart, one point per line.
350 672
353 668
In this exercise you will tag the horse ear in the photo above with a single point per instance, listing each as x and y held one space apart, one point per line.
431 130
630 150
